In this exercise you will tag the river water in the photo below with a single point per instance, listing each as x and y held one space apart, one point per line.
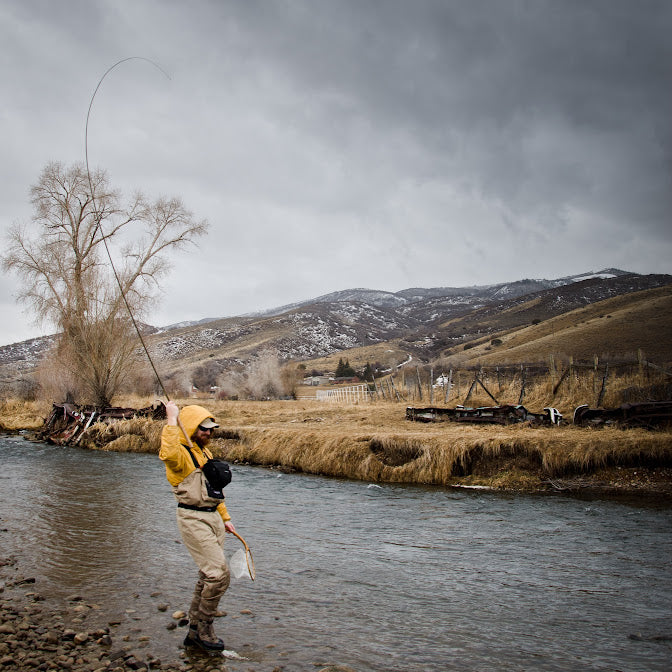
391 578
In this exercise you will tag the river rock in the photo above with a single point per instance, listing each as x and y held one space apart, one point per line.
68 634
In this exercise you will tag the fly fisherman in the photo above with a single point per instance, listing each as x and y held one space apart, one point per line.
201 519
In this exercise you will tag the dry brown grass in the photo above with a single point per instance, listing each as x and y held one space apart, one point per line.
582 386
374 442
138 435
377 445
18 414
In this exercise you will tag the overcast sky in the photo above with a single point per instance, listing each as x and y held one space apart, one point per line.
353 143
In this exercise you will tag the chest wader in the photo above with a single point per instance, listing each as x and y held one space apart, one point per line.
192 495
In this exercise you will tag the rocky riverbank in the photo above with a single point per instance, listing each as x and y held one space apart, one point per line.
76 635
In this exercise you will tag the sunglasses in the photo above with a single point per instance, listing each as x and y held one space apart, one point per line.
205 429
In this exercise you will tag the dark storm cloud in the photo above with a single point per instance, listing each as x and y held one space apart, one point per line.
535 103
402 143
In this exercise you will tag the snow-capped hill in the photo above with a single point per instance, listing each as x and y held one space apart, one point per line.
373 297
454 295
600 274
186 323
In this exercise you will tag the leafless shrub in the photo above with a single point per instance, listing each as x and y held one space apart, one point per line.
263 377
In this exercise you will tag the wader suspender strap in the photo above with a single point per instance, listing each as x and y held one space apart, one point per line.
193 457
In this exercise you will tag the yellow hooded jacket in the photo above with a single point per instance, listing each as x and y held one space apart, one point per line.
175 455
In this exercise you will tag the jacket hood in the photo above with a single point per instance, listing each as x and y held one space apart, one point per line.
192 417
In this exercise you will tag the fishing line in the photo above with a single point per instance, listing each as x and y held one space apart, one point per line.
97 216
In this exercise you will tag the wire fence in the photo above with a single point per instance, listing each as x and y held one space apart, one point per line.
593 382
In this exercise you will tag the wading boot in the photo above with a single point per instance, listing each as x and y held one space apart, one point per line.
191 638
207 639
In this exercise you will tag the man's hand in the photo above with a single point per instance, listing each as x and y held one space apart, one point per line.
172 411
229 527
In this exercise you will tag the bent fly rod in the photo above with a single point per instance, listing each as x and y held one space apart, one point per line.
97 218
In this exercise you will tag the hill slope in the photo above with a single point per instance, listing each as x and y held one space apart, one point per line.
615 327
530 317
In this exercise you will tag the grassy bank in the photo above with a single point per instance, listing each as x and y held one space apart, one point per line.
374 442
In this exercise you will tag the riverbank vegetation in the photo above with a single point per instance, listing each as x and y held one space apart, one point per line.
374 442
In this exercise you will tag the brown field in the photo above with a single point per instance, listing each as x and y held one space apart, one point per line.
374 442
617 327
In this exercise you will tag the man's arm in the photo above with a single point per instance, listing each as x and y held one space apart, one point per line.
171 451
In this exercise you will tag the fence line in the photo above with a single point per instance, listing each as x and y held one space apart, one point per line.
353 394
562 375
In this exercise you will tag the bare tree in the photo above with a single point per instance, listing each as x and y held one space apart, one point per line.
262 377
60 257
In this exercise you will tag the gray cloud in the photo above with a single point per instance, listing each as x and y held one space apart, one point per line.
339 144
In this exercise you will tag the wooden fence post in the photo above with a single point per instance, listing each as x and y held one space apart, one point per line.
571 371
564 375
447 389
523 382
604 385
471 389
480 382
417 373
595 363
394 387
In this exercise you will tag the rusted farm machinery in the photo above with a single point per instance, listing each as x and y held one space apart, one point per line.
498 415
650 415
67 423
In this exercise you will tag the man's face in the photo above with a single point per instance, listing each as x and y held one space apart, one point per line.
202 436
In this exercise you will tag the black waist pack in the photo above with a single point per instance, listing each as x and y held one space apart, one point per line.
217 475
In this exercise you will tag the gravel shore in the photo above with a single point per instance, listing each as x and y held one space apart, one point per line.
74 635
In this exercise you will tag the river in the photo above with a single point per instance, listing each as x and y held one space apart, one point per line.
390 578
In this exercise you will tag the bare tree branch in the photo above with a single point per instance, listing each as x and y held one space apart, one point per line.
68 280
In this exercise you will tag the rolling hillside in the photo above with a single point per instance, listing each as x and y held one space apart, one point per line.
610 312
616 327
